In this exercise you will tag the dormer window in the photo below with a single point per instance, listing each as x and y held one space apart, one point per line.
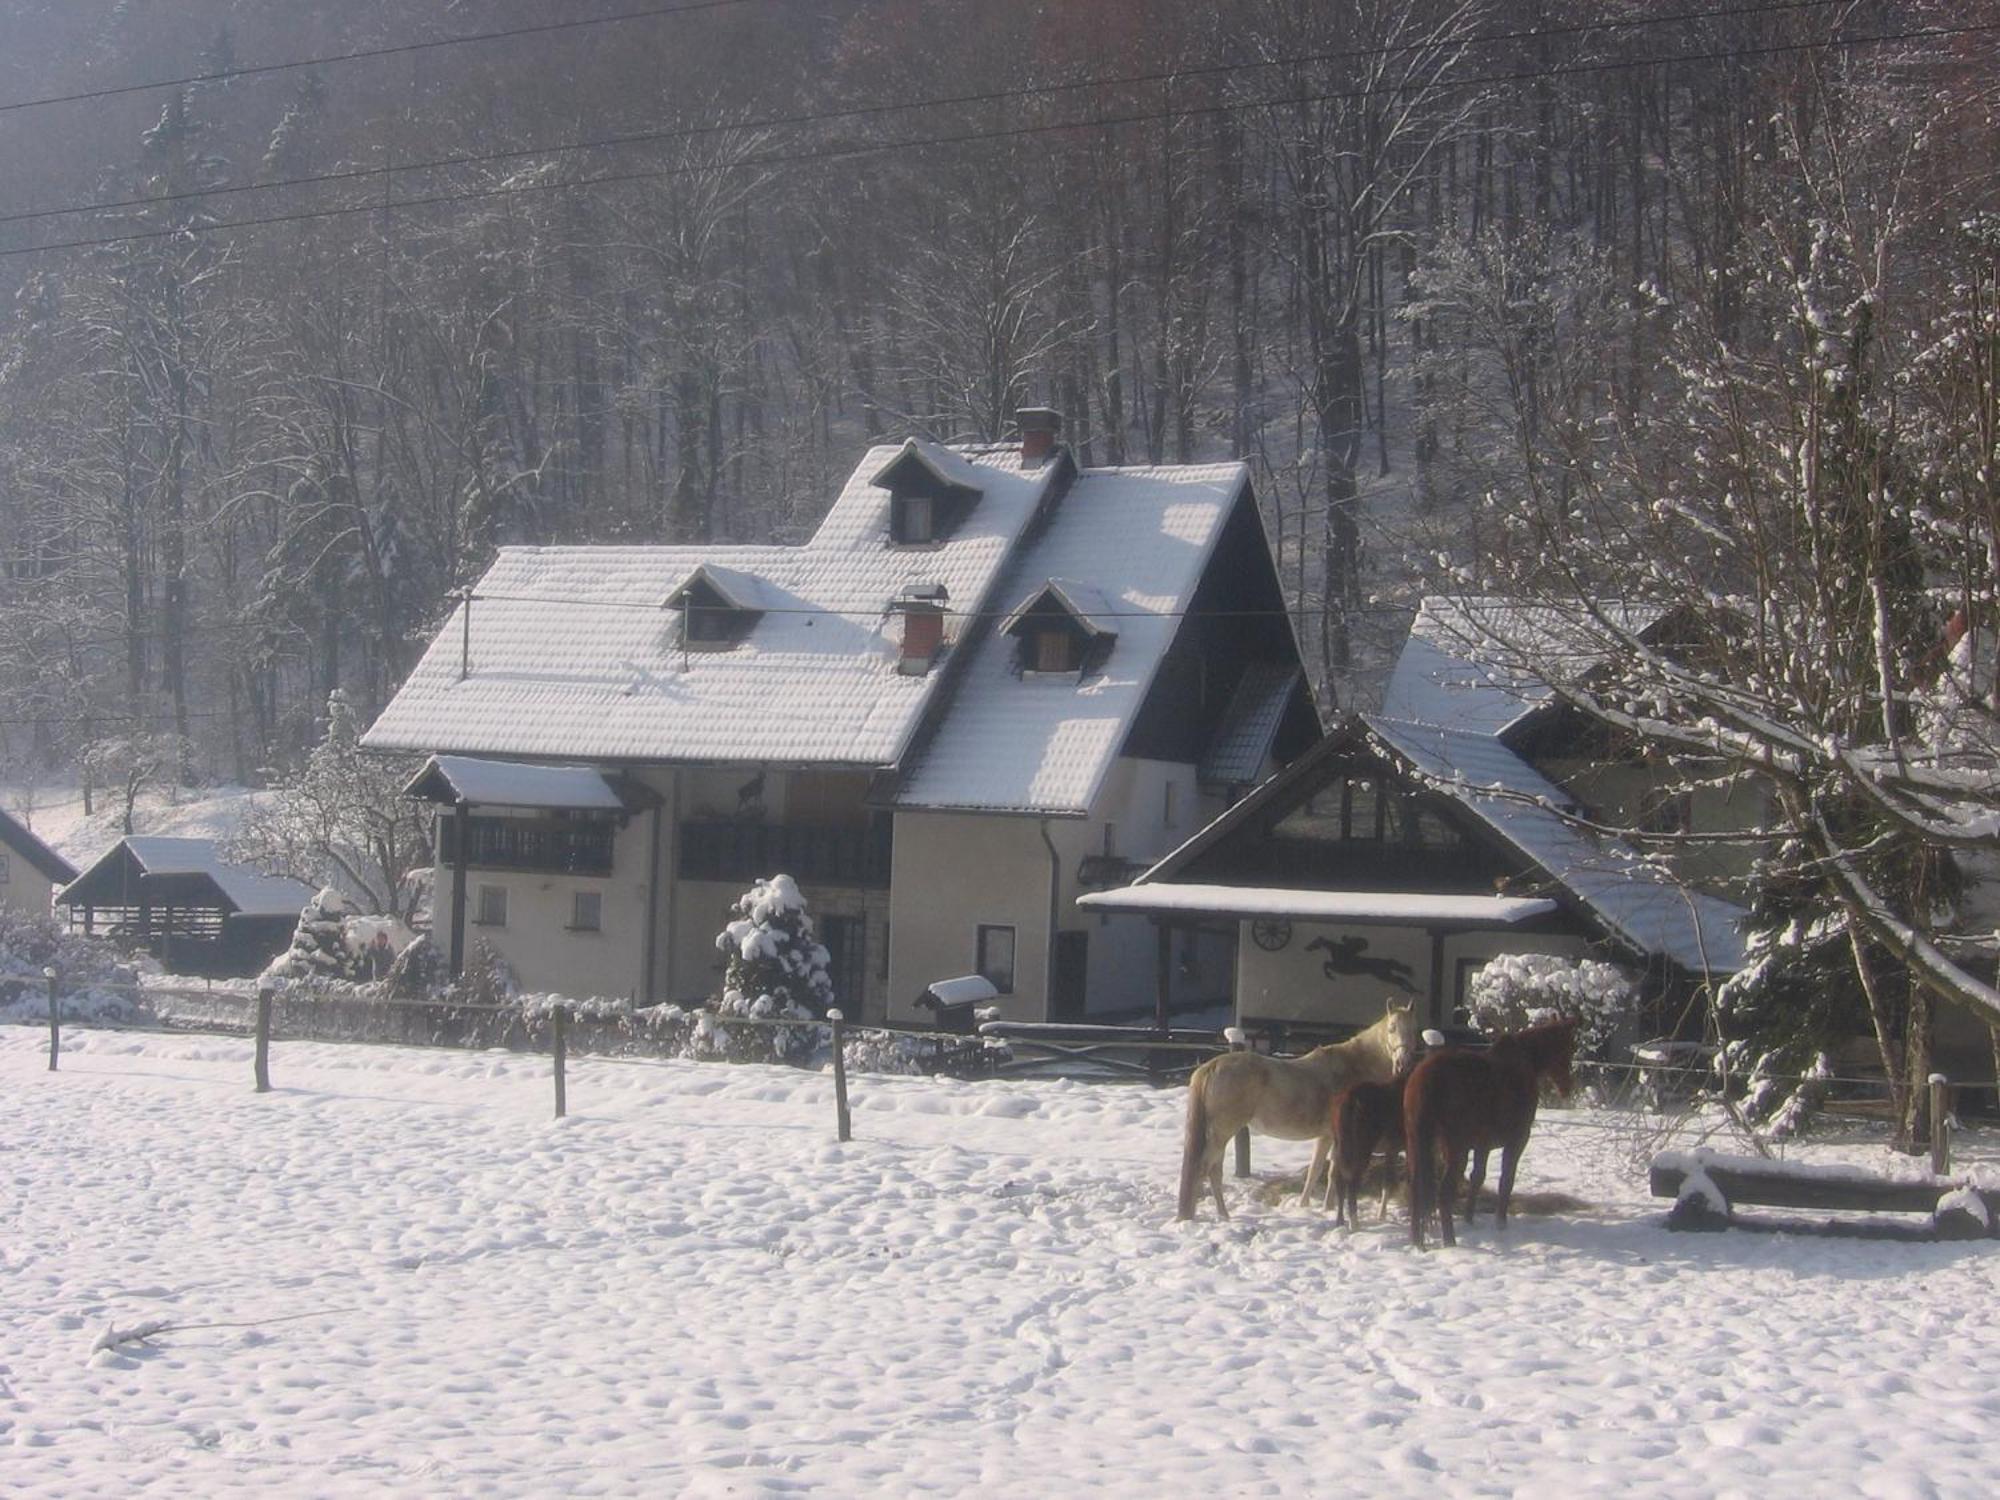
719 607
931 492
1053 650
1064 629
912 518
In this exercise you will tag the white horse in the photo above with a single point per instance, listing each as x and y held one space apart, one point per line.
1290 1098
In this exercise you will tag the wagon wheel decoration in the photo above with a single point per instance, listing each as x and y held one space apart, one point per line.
1271 933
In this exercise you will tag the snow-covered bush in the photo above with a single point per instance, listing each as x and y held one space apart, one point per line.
336 940
94 985
1526 989
774 969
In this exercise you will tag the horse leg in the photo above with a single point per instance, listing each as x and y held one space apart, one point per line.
1478 1181
1215 1186
1388 1174
1510 1158
1312 1172
1454 1169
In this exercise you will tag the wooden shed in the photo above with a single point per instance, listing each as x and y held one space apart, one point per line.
181 902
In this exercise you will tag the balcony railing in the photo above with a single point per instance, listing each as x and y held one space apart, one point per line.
811 856
521 844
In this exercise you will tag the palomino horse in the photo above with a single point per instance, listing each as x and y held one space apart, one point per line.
1290 1098
1461 1102
1364 1117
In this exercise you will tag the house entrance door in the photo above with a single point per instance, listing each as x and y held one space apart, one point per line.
846 940
1072 975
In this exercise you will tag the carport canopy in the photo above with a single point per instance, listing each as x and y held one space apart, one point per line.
1402 908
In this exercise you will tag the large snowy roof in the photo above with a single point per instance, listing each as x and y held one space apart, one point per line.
1629 895
1479 664
1043 743
252 894
572 657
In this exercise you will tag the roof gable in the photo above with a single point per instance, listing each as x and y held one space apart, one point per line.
50 865
1084 606
1015 742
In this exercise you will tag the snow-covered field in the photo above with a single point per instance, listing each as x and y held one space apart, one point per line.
397 1275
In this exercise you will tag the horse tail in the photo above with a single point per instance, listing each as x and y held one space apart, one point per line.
1419 1156
1194 1142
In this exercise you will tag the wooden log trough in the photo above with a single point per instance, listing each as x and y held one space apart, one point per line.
1707 1187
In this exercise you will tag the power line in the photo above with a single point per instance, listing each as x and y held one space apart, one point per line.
221 75
862 111
1100 122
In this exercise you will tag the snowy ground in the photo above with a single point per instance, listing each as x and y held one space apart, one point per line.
395 1274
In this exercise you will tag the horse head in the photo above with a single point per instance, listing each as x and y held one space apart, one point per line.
1399 1019
1560 1053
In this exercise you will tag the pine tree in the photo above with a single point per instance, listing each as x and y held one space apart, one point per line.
776 967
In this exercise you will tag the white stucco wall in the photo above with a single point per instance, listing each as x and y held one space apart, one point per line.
22 888
954 872
537 942
1292 985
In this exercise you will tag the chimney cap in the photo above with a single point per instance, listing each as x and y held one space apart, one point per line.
1038 419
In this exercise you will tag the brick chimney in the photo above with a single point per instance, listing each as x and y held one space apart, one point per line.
922 608
1040 425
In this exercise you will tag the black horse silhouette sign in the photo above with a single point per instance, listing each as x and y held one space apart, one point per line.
1347 958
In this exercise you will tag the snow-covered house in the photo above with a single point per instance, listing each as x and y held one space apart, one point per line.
989 682
30 870
1408 848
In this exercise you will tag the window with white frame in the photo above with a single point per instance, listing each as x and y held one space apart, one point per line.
492 908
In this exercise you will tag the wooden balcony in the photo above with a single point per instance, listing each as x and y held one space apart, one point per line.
541 846
743 852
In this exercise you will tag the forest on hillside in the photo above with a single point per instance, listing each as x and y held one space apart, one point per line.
287 352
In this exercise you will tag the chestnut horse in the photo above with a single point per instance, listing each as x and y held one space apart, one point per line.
1460 1102
1290 1098
1364 1117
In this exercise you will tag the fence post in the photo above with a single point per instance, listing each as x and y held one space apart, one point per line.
1239 1041
264 1039
843 1125
1940 1128
55 1018
560 1021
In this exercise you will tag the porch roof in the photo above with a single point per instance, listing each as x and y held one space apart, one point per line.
1399 908
506 783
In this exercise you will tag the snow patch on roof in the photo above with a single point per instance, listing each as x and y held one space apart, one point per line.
501 783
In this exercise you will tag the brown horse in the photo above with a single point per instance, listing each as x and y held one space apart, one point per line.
1460 1102
1364 1117
1291 1098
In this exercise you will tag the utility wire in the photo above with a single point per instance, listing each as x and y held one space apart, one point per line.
221 75
992 96
1098 122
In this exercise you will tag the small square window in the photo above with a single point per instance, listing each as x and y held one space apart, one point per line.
492 906
996 957
6 873
586 911
1170 805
